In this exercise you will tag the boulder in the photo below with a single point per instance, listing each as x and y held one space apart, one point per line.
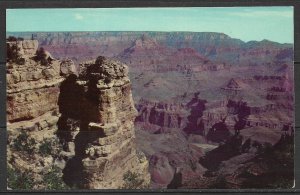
67 67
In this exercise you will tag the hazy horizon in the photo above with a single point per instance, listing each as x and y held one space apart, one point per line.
244 23
141 31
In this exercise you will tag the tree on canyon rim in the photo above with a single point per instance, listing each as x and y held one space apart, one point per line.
42 56
13 52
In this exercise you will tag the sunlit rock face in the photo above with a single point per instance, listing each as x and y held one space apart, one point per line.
32 95
86 117
105 148
32 88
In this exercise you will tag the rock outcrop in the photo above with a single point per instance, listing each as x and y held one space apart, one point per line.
32 89
83 128
32 114
162 114
67 67
26 47
101 104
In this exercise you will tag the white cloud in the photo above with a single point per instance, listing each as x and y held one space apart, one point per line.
261 13
78 17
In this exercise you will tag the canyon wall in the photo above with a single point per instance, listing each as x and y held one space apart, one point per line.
218 47
162 114
198 116
101 102
32 113
81 126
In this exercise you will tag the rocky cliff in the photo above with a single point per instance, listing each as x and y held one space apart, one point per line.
32 94
76 129
100 103
32 89
163 114
217 47
146 54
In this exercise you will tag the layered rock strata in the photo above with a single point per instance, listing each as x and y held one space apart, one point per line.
100 104
32 89
32 111
162 114
83 127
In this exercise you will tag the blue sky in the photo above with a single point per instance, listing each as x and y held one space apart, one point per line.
245 23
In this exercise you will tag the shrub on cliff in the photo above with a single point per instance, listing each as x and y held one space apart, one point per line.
99 60
20 61
17 179
49 147
24 143
132 180
41 56
11 38
13 54
53 180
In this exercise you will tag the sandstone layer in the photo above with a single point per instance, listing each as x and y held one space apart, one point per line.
32 114
101 103
81 126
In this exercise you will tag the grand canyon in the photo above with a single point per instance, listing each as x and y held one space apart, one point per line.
148 110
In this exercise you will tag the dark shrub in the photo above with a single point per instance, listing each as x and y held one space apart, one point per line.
13 55
99 60
53 180
24 143
41 56
132 180
49 147
17 179
20 61
45 148
11 38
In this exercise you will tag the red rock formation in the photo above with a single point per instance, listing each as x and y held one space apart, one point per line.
162 114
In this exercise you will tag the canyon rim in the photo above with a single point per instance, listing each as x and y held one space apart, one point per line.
148 109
